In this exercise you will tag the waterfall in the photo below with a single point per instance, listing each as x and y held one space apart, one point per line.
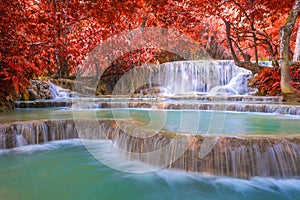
35 132
59 92
243 156
183 77
20 140
2 140
238 85
39 132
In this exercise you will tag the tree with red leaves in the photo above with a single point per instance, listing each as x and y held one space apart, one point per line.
15 66
288 91
251 28
53 37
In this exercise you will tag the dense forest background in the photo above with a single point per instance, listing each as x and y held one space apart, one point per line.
51 38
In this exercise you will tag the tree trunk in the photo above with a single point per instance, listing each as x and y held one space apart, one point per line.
296 57
288 91
246 64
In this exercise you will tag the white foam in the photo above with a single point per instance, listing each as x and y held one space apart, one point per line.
58 92
42 147
266 184
105 152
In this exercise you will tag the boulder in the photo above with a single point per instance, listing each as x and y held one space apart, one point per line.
38 89
33 94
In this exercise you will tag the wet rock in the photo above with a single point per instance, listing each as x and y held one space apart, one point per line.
38 89
33 93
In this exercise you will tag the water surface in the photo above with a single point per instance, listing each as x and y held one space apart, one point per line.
65 170
189 121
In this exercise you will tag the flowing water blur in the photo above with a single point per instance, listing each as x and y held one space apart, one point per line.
65 170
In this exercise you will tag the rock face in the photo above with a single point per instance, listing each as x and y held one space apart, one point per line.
46 89
39 90
42 104
154 91
37 95
65 83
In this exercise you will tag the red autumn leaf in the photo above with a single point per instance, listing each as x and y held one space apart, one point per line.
276 84
15 81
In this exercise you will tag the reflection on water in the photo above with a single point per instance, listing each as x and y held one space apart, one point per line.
65 170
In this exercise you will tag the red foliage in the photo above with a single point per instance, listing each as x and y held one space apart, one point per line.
15 67
49 37
268 80
14 73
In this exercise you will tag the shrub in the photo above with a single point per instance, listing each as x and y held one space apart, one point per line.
268 80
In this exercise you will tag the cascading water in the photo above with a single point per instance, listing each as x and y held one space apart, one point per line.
59 92
186 77
243 156
60 97
39 132
238 85
2 141
231 156
36 132
20 140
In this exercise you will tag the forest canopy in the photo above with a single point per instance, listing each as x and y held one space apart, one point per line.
53 37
